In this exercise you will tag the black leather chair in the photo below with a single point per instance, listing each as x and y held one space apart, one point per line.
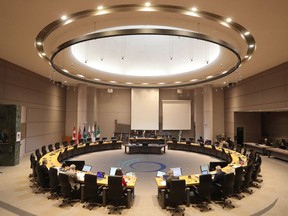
65 143
178 195
238 182
92 192
33 165
70 196
203 192
57 145
54 184
38 154
50 147
226 190
247 179
116 196
42 181
254 175
44 150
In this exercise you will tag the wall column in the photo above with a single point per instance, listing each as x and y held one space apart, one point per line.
198 113
208 112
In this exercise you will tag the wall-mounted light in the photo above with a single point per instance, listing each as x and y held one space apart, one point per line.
110 90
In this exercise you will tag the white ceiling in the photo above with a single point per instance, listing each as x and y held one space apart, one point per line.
21 21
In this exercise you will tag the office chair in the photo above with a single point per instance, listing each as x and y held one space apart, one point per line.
38 154
254 176
203 192
57 145
238 182
244 151
178 195
247 179
226 190
50 148
42 182
54 184
91 192
44 150
81 141
115 194
72 142
70 196
33 166
65 143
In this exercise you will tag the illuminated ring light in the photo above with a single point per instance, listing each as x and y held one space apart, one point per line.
240 30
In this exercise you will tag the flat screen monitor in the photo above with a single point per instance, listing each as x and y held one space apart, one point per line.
160 173
113 170
177 171
204 168
213 164
204 172
87 168
100 175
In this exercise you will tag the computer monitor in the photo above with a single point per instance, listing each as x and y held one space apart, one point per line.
160 173
204 172
204 168
177 171
113 170
87 168
100 175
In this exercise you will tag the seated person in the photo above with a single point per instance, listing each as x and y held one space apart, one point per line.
71 172
45 172
283 144
169 178
119 172
217 182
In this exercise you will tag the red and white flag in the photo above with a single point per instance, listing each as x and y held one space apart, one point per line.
74 134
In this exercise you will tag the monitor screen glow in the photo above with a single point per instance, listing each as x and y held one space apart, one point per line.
112 171
177 171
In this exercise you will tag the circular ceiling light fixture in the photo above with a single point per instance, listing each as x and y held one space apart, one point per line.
145 55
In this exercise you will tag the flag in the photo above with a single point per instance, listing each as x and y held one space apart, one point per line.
93 134
74 134
98 132
79 134
84 134
89 132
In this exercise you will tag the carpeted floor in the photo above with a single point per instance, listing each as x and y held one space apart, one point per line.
16 197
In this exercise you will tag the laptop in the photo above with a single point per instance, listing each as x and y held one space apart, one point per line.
87 168
112 171
177 171
100 175
204 172
130 174
204 169
160 173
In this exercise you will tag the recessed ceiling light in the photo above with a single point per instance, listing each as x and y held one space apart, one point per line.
161 83
229 20
39 43
43 54
209 77
247 33
194 9
193 80
177 82
96 79
147 4
80 75
65 81
100 7
129 83
224 72
66 71
251 45
144 83
64 17
112 81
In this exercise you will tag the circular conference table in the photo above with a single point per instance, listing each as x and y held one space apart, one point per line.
57 156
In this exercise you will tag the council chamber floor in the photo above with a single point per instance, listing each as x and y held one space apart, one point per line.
17 198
